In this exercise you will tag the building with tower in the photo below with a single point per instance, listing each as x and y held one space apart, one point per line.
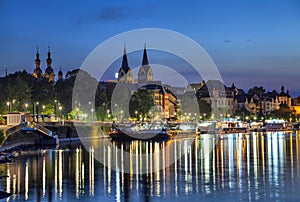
49 73
125 75
284 97
37 73
145 73
60 75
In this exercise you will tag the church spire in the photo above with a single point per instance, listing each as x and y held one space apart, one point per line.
37 59
49 60
145 57
125 66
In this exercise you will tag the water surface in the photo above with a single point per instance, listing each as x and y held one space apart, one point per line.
235 167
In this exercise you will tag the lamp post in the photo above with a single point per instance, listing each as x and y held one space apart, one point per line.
8 106
11 107
25 110
43 111
37 112
136 112
77 113
122 115
60 108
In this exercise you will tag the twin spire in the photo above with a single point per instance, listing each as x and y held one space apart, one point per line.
125 60
145 72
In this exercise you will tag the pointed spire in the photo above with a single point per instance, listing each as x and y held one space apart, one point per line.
145 57
49 52
125 66
37 53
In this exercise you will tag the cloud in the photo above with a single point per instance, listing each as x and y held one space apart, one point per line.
115 13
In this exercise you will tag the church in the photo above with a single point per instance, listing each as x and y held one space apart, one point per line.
49 73
164 100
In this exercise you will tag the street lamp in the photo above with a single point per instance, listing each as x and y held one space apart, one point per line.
136 112
60 108
13 102
8 106
122 115
25 110
43 111
37 111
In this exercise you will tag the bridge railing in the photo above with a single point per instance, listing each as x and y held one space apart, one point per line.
43 130
14 129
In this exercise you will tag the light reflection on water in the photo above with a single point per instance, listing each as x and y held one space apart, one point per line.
245 167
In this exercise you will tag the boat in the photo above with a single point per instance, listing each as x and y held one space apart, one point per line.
145 132
182 130
278 125
257 127
232 125
206 127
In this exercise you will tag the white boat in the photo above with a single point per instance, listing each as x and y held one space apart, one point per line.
206 127
278 125
232 125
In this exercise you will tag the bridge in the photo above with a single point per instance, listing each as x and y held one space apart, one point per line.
32 133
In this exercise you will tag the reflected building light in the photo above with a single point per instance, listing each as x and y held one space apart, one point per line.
190 155
44 176
151 169
118 188
76 174
55 172
104 169
222 164
92 171
196 163
270 157
82 177
292 156
230 161
122 165
281 152
214 141
26 181
60 172
175 168
19 180
255 157
8 179
108 169
297 150
137 165
185 159
164 168
141 159
147 158
156 167
14 186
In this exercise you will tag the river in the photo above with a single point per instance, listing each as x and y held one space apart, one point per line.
233 167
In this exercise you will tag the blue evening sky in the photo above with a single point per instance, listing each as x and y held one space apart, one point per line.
251 42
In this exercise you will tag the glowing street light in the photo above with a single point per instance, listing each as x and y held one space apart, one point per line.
8 106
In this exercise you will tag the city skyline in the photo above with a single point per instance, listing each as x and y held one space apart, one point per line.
252 43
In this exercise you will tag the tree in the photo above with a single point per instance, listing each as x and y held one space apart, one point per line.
242 113
256 90
101 113
141 101
283 112
204 108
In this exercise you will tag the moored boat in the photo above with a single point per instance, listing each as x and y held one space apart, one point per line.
231 125
278 125
146 135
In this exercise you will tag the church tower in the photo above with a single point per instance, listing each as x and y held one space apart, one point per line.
125 75
145 72
60 75
49 73
37 73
